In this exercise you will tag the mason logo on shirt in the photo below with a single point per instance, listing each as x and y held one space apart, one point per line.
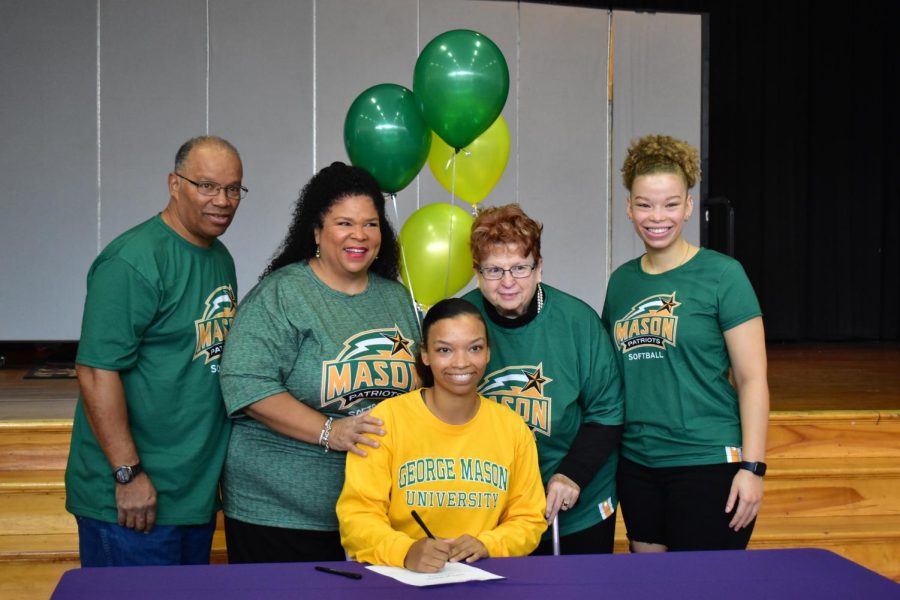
212 328
372 365
650 323
521 387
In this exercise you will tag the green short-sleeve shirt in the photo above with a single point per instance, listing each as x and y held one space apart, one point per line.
680 408
158 310
337 353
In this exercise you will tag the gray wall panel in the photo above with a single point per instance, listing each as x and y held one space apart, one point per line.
657 90
361 43
562 146
153 97
48 227
261 100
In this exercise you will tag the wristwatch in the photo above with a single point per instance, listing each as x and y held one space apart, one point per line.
125 473
757 468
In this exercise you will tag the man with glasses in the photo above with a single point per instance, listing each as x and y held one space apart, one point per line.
150 429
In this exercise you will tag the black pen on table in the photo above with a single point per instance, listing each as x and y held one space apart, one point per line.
421 523
348 574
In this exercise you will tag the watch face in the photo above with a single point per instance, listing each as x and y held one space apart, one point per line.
757 468
123 474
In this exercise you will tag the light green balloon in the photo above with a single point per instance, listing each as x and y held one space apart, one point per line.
479 166
435 259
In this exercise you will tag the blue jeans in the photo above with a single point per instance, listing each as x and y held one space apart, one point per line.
103 544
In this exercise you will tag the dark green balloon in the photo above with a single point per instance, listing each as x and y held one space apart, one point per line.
385 134
461 81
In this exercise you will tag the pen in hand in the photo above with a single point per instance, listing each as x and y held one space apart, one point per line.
428 554
421 523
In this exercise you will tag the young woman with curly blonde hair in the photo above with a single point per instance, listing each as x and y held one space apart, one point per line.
682 317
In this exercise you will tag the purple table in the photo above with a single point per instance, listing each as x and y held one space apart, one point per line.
755 575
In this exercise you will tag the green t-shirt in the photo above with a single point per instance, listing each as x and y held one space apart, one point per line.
337 353
158 310
557 372
680 409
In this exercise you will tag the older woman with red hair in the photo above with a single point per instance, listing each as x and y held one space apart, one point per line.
552 362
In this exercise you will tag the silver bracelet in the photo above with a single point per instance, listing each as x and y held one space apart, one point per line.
326 431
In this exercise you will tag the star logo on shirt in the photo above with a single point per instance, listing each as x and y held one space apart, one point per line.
651 323
400 343
536 380
521 388
668 304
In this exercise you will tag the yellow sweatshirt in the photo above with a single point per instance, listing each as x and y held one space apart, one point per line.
479 478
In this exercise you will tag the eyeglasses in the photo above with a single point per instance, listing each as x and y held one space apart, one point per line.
211 188
518 271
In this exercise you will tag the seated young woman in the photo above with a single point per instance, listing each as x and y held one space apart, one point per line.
465 464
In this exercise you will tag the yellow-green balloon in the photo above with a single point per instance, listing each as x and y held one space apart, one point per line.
479 166
436 261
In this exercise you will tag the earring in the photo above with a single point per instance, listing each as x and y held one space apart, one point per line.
318 254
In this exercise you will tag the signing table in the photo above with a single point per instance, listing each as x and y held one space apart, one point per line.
755 575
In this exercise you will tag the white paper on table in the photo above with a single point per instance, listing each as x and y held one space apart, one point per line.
451 573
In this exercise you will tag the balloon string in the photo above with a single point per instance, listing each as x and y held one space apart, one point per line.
453 177
452 156
412 296
450 227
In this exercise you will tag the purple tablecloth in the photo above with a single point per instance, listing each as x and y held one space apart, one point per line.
755 574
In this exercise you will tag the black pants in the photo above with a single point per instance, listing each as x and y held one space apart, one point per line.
597 539
249 543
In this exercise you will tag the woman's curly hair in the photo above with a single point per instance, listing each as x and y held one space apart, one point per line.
330 185
661 154
503 225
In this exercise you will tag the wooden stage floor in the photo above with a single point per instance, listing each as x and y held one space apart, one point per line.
802 377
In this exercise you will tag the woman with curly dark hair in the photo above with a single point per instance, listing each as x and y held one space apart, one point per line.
681 317
325 335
